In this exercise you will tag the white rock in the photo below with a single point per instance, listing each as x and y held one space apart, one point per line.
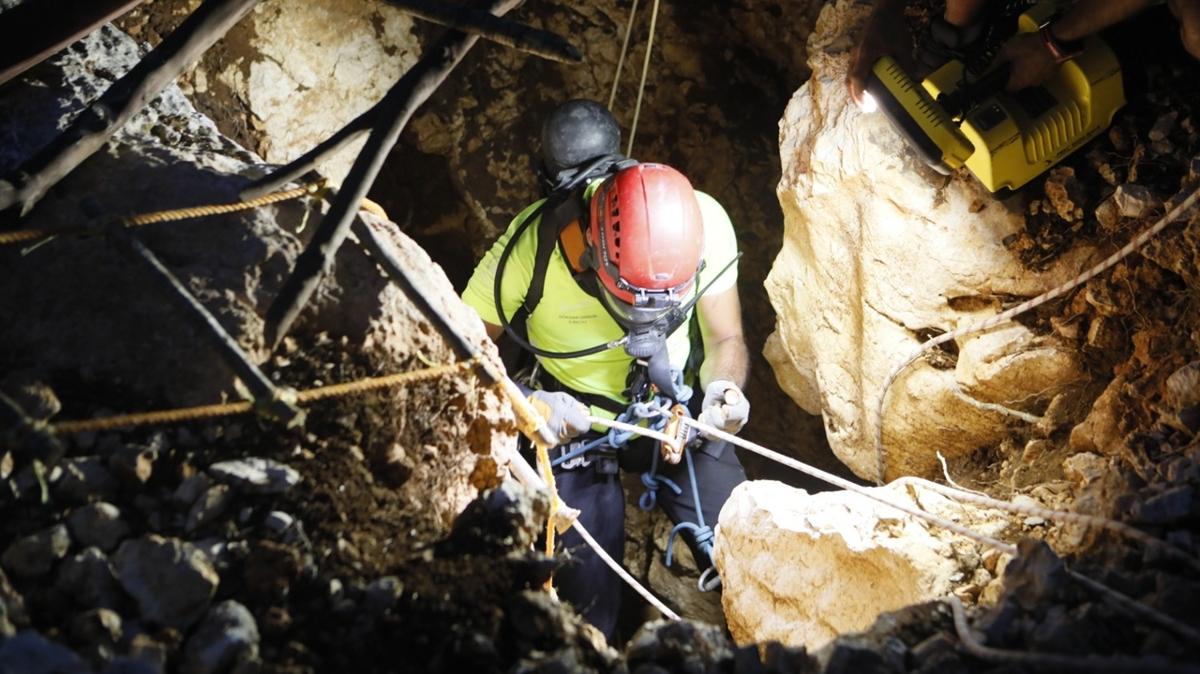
308 70
803 568
256 475
877 247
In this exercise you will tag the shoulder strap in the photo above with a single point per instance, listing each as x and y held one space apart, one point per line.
557 215
564 206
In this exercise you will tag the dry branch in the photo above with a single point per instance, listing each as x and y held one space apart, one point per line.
266 396
104 117
393 113
491 27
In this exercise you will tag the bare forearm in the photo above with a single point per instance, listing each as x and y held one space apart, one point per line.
1091 16
728 359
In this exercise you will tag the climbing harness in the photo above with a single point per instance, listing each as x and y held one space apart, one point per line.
663 419
1174 214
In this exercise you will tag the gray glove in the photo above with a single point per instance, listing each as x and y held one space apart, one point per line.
725 406
566 416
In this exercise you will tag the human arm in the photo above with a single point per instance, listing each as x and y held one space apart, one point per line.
1032 61
725 354
726 362
884 34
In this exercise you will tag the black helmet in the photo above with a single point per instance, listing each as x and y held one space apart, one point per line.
577 131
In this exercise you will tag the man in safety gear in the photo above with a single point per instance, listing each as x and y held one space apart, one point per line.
617 282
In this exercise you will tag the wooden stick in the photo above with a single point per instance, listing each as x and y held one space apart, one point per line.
490 27
93 127
32 31
394 111
267 398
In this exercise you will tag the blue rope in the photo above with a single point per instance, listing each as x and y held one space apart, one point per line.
700 531
652 481
580 451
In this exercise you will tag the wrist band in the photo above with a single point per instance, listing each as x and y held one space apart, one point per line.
1061 52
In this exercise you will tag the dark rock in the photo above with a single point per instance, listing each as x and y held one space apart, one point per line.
87 579
31 653
1169 506
209 507
171 580
84 480
7 629
127 665
1035 576
14 603
34 555
1177 597
146 648
98 525
28 390
999 623
1189 418
848 657
680 646
383 593
189 490
501 519
225 641
255 475
97 627
133 465
536 620
779 659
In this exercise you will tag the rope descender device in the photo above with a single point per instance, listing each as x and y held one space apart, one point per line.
679 433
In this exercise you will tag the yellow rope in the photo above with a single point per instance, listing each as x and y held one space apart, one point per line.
543 459
26 235
162 417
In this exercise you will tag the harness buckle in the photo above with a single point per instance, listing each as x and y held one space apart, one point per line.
581 461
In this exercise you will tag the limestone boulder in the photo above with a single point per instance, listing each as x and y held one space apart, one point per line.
299 72
84 307
803 568
879 253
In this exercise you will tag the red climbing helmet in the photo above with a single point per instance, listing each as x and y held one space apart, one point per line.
647 238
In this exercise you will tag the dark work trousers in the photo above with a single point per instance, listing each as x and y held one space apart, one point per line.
585 581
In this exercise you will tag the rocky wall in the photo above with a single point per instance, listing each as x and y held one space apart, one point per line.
881 253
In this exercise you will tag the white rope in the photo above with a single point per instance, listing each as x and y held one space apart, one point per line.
1054 661
612 96
1129 603
1174 214
620 571
637 110
985 501
836 481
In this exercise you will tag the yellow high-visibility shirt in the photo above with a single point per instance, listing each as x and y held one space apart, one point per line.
568 319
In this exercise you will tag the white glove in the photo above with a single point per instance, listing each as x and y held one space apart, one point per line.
725 406
565 416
